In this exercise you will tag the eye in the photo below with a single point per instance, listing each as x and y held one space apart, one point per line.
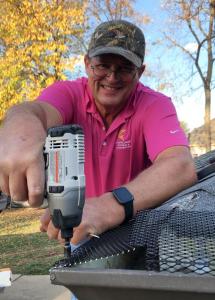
102 67
127 70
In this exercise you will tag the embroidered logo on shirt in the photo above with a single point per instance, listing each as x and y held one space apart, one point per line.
121 135
123 142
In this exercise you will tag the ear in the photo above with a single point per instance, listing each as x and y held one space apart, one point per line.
87 64
141 70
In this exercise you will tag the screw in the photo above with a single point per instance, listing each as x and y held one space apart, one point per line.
52 276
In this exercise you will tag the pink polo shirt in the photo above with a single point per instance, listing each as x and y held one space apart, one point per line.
146 126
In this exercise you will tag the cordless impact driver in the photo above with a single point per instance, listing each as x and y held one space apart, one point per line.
65 179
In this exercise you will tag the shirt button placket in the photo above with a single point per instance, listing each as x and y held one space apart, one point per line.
104 142
104 147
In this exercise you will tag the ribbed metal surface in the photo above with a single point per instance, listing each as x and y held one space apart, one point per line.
204 160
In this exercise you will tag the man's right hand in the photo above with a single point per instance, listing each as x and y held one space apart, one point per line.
21 159
22 136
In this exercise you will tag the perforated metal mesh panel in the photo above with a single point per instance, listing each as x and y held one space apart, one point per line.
155 240
176 241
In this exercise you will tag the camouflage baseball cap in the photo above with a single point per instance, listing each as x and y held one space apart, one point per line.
118 37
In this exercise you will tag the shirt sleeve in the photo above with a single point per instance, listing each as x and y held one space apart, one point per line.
61 96
162 129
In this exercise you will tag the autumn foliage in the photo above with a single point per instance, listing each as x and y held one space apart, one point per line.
39 41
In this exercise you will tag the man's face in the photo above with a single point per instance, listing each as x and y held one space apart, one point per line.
111 79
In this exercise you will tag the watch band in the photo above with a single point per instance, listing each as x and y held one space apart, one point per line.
125 198
128 211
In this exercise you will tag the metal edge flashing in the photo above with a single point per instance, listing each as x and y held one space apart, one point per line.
121 284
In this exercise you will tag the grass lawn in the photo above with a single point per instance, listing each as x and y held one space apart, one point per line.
23 248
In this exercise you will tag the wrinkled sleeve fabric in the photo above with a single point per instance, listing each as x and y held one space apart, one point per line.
61 95
162 129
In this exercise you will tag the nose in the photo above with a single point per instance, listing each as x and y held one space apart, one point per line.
113 75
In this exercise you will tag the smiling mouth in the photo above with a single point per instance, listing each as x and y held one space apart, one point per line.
111 88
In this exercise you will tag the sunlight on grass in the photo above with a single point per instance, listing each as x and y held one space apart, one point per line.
20 221
24 248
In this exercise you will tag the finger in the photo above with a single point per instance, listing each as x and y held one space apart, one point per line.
36 181
52 231
4 184
17 186
44 220
60 239
80 233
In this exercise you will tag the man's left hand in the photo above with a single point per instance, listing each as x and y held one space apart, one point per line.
99 215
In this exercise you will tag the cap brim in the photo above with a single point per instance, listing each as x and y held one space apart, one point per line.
132 57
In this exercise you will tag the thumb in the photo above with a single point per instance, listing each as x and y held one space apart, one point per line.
79 235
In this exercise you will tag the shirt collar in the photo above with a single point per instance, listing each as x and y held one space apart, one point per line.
90 102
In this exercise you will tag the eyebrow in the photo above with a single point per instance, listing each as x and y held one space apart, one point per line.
120 64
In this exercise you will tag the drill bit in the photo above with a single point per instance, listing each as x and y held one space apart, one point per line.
67 248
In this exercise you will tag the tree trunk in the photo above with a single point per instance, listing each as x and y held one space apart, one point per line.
207 118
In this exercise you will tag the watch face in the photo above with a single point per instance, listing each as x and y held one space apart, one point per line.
123 195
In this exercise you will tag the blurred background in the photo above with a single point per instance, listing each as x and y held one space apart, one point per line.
42 41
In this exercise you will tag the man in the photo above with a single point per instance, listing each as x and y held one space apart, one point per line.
136 151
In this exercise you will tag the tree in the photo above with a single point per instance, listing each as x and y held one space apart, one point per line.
185 127
196 20
105 10
39 40
115 9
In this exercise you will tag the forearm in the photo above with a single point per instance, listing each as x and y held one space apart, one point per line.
165 178
172 172
35 111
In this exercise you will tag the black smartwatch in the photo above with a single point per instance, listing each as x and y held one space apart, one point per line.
125 198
